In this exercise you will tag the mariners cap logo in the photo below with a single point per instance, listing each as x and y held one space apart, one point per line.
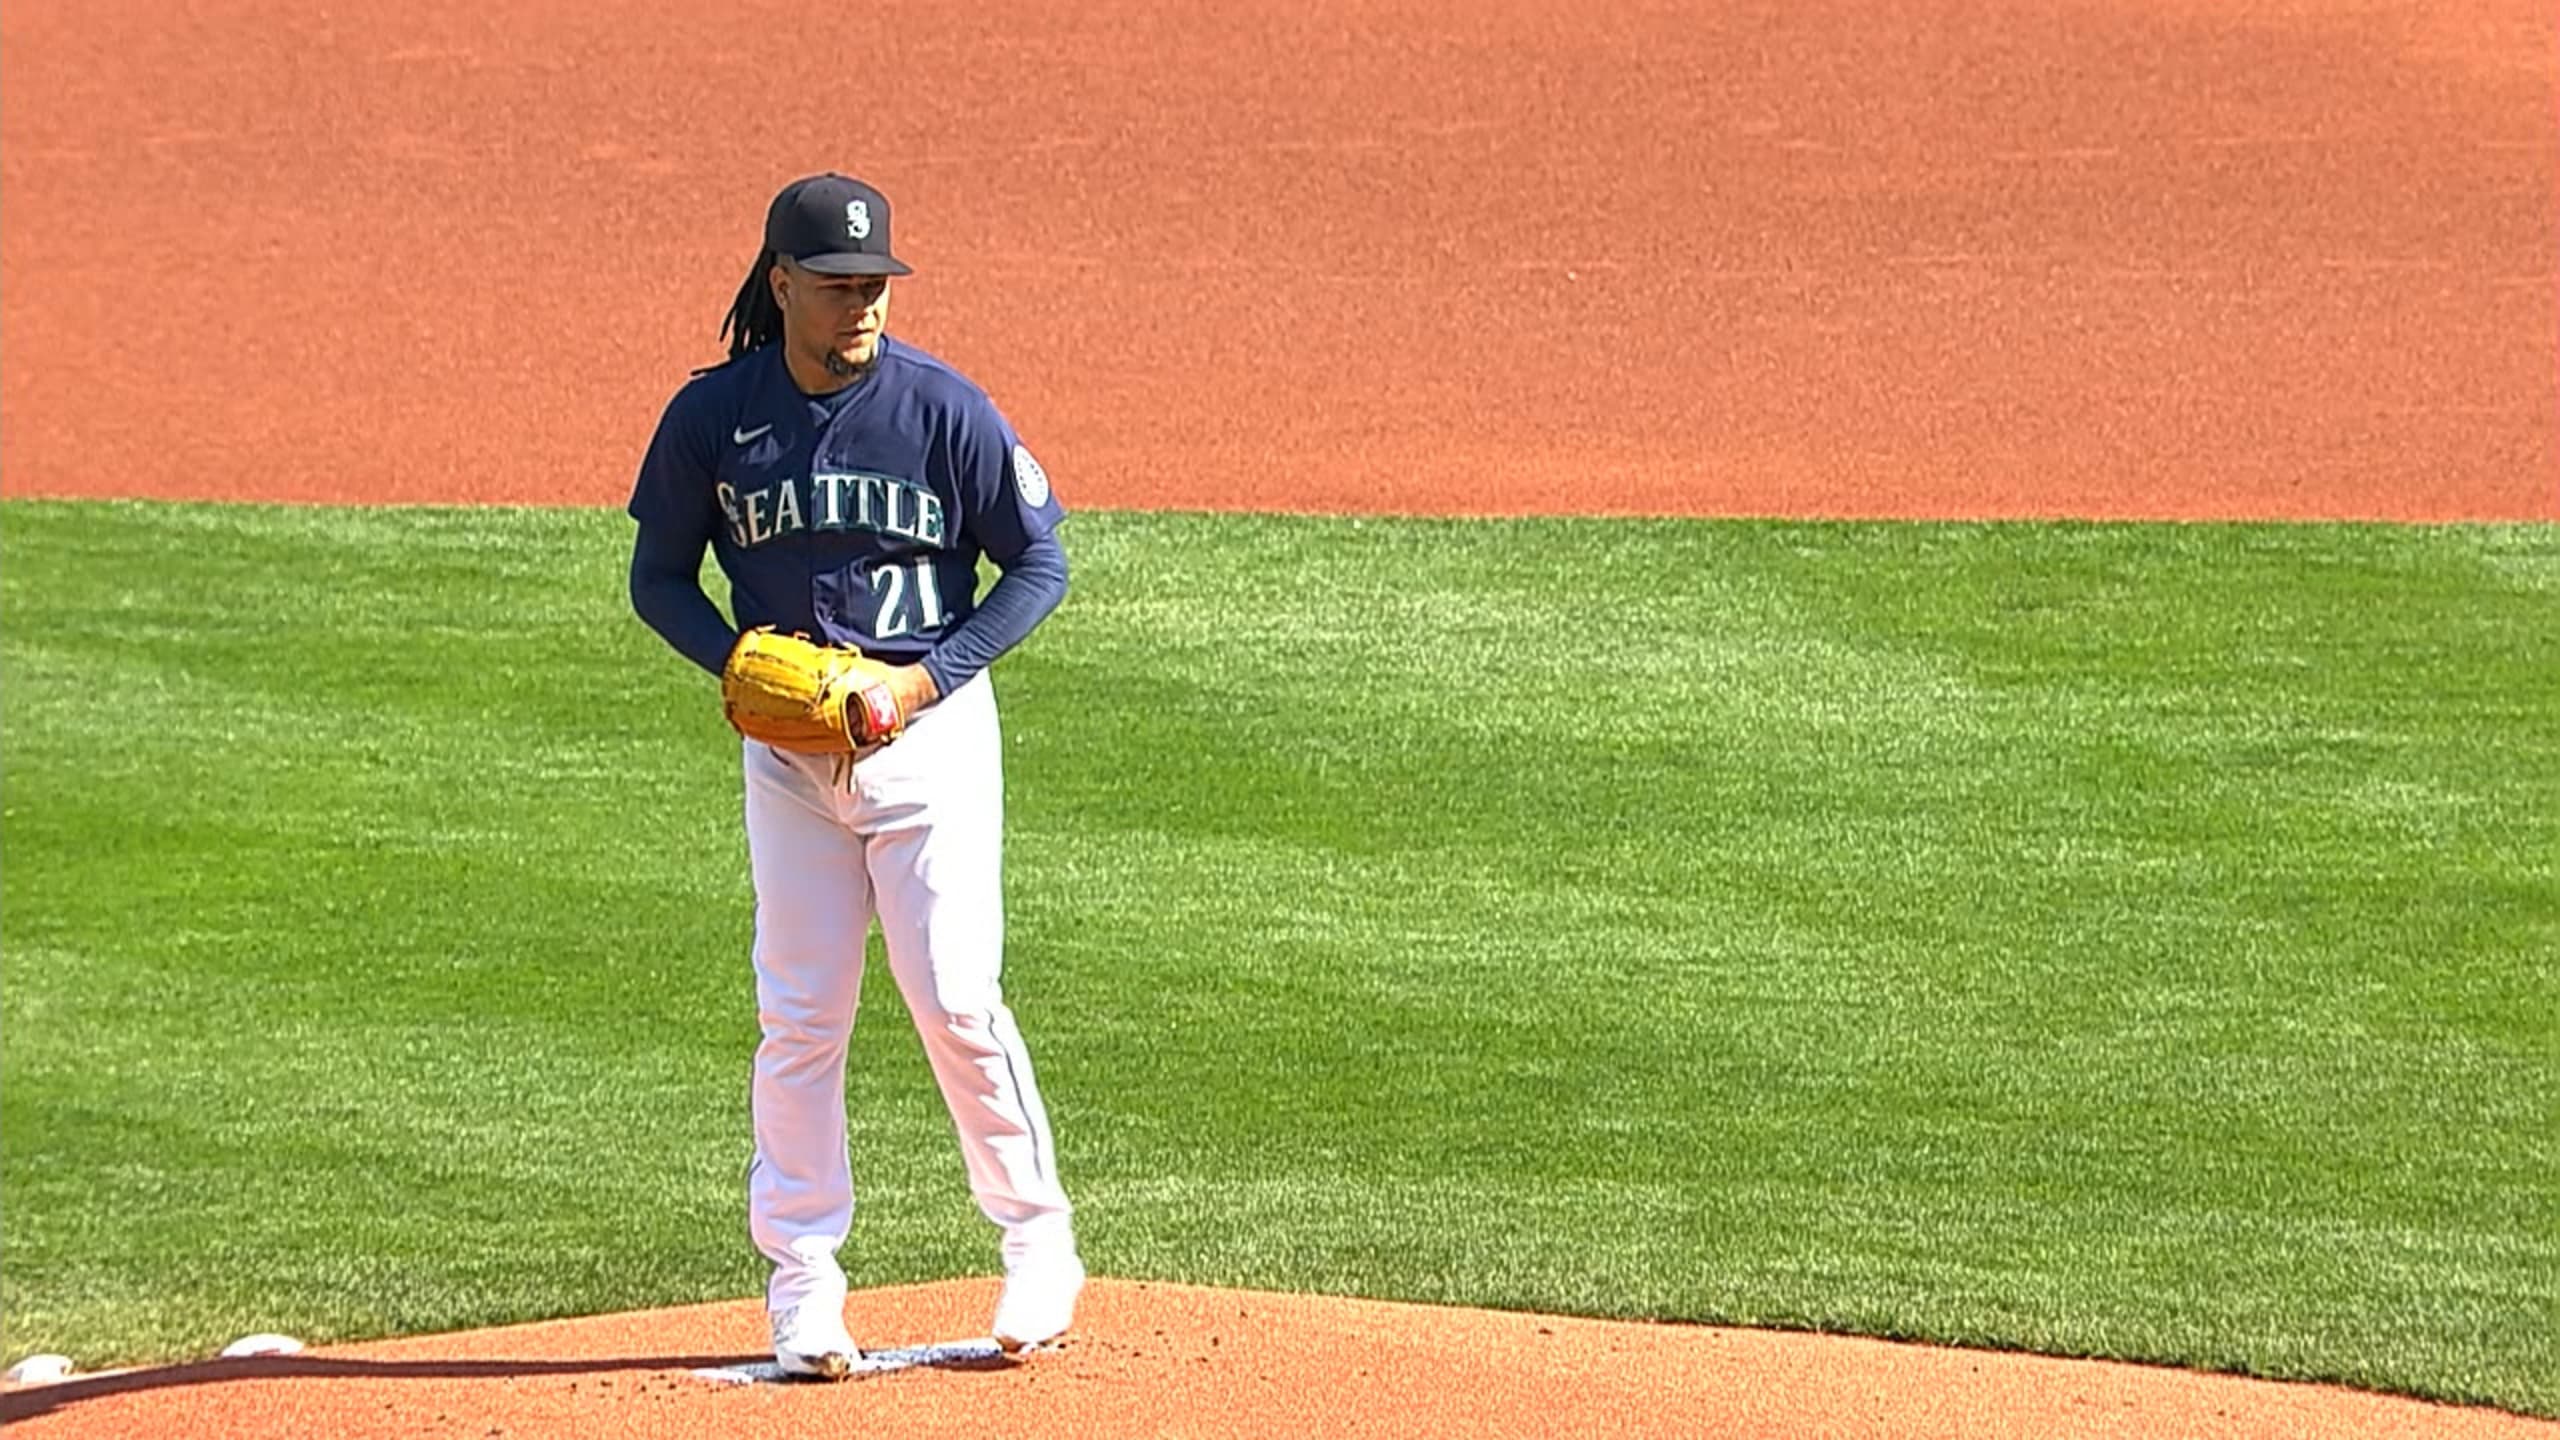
857 219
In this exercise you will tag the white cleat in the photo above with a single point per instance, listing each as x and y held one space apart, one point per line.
1039 1301
810 1341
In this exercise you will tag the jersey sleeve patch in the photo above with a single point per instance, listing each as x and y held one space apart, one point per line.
1030 479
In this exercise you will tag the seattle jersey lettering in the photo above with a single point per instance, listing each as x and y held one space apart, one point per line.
833 501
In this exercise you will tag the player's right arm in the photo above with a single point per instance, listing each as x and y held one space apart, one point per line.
666 591
674 502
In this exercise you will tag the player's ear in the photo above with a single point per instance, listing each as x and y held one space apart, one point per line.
778 279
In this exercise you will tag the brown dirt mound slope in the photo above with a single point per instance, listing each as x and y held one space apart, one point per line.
2142 258
1173 1360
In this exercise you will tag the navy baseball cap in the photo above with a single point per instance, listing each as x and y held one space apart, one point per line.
833 224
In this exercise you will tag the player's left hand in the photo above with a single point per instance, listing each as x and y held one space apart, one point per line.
815 699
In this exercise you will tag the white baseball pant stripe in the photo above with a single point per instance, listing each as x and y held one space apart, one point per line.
914 839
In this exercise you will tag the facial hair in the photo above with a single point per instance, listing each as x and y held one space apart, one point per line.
844 369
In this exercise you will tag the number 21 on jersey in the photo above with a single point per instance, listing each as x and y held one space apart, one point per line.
906 599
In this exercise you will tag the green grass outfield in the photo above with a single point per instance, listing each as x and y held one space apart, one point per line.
2120 940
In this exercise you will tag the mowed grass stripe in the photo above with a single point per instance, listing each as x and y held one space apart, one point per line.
2123 940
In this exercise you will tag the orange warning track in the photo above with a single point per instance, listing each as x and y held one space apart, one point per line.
1173 1360
2288 258
2112 258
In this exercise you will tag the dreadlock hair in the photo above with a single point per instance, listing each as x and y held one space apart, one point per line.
755 321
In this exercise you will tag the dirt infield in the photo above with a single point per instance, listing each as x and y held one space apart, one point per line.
1175 1361
2153 259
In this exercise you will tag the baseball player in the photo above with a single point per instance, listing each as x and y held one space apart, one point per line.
849 484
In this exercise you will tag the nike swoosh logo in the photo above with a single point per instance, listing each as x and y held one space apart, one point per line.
748 437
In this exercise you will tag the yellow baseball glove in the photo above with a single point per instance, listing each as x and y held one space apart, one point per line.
816 699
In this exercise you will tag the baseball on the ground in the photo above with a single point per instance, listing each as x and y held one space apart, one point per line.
40 1370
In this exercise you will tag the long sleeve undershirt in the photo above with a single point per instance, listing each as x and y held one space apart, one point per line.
666 591
1023 595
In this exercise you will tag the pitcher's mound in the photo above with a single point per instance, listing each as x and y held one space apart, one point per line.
1169 1360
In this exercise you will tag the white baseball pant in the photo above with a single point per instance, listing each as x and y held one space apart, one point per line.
914 837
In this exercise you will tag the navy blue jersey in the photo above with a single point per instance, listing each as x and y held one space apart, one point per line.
857 518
